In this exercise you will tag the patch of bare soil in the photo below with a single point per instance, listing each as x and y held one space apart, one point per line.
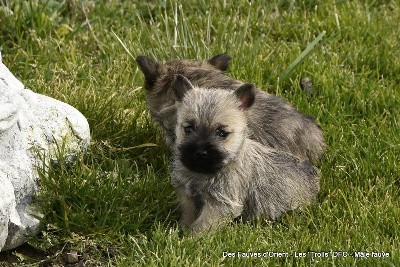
57 256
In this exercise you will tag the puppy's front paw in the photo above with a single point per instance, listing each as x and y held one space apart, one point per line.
201 226
197 228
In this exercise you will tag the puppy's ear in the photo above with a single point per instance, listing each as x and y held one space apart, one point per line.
181 85
246 94
220 61
150 70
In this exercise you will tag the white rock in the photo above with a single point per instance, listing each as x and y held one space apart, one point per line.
7 204
31 125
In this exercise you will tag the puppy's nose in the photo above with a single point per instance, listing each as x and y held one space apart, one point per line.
201 153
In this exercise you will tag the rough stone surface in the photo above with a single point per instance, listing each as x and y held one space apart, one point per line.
32 128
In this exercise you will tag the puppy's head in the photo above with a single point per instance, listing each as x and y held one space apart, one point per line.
160 76
155 72
211 125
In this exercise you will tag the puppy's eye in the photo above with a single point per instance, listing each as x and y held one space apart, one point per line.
188 129
222 133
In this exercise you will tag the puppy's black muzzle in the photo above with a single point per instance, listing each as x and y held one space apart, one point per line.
201 157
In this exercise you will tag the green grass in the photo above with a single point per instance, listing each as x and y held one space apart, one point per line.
115 205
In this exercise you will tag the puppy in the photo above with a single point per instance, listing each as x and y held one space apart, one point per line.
219 172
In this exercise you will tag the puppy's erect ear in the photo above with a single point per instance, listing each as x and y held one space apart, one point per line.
180 86
220 61
149 68
246 94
